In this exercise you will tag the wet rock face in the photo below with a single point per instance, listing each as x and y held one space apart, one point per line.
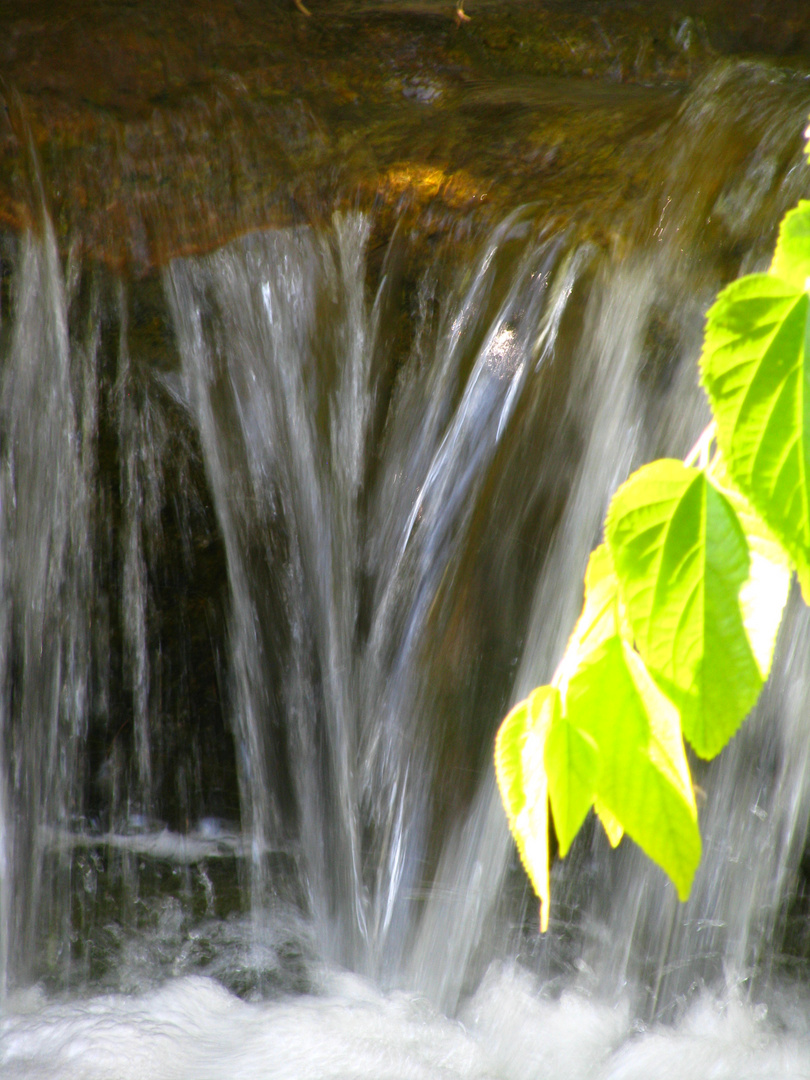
157 128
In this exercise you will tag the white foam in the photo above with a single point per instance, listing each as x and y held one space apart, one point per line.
716 1041
193 1027
209 841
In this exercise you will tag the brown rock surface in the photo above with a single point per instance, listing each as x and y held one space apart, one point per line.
156 128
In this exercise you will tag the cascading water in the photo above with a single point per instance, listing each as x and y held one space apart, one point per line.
271 568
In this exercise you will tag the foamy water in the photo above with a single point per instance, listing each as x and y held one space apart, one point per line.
193 1027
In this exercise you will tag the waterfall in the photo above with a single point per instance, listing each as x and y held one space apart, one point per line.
284 529
45 499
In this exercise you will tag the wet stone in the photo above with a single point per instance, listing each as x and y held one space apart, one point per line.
159 129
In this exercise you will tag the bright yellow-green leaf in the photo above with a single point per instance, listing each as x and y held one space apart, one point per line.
791 259
764 595
610 824
694 575
681 559
572 763
598 618
571 757
521 775
644 781
755 369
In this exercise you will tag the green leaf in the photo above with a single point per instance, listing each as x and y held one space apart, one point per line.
644 783
599 615
791 259
572 764
571 758
681 558
764 595
610 824
754 368
521 775
694 574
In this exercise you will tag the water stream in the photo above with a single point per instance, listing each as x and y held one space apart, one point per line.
284 529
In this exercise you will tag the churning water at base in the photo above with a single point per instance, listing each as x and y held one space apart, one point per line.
281 536
507 1031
